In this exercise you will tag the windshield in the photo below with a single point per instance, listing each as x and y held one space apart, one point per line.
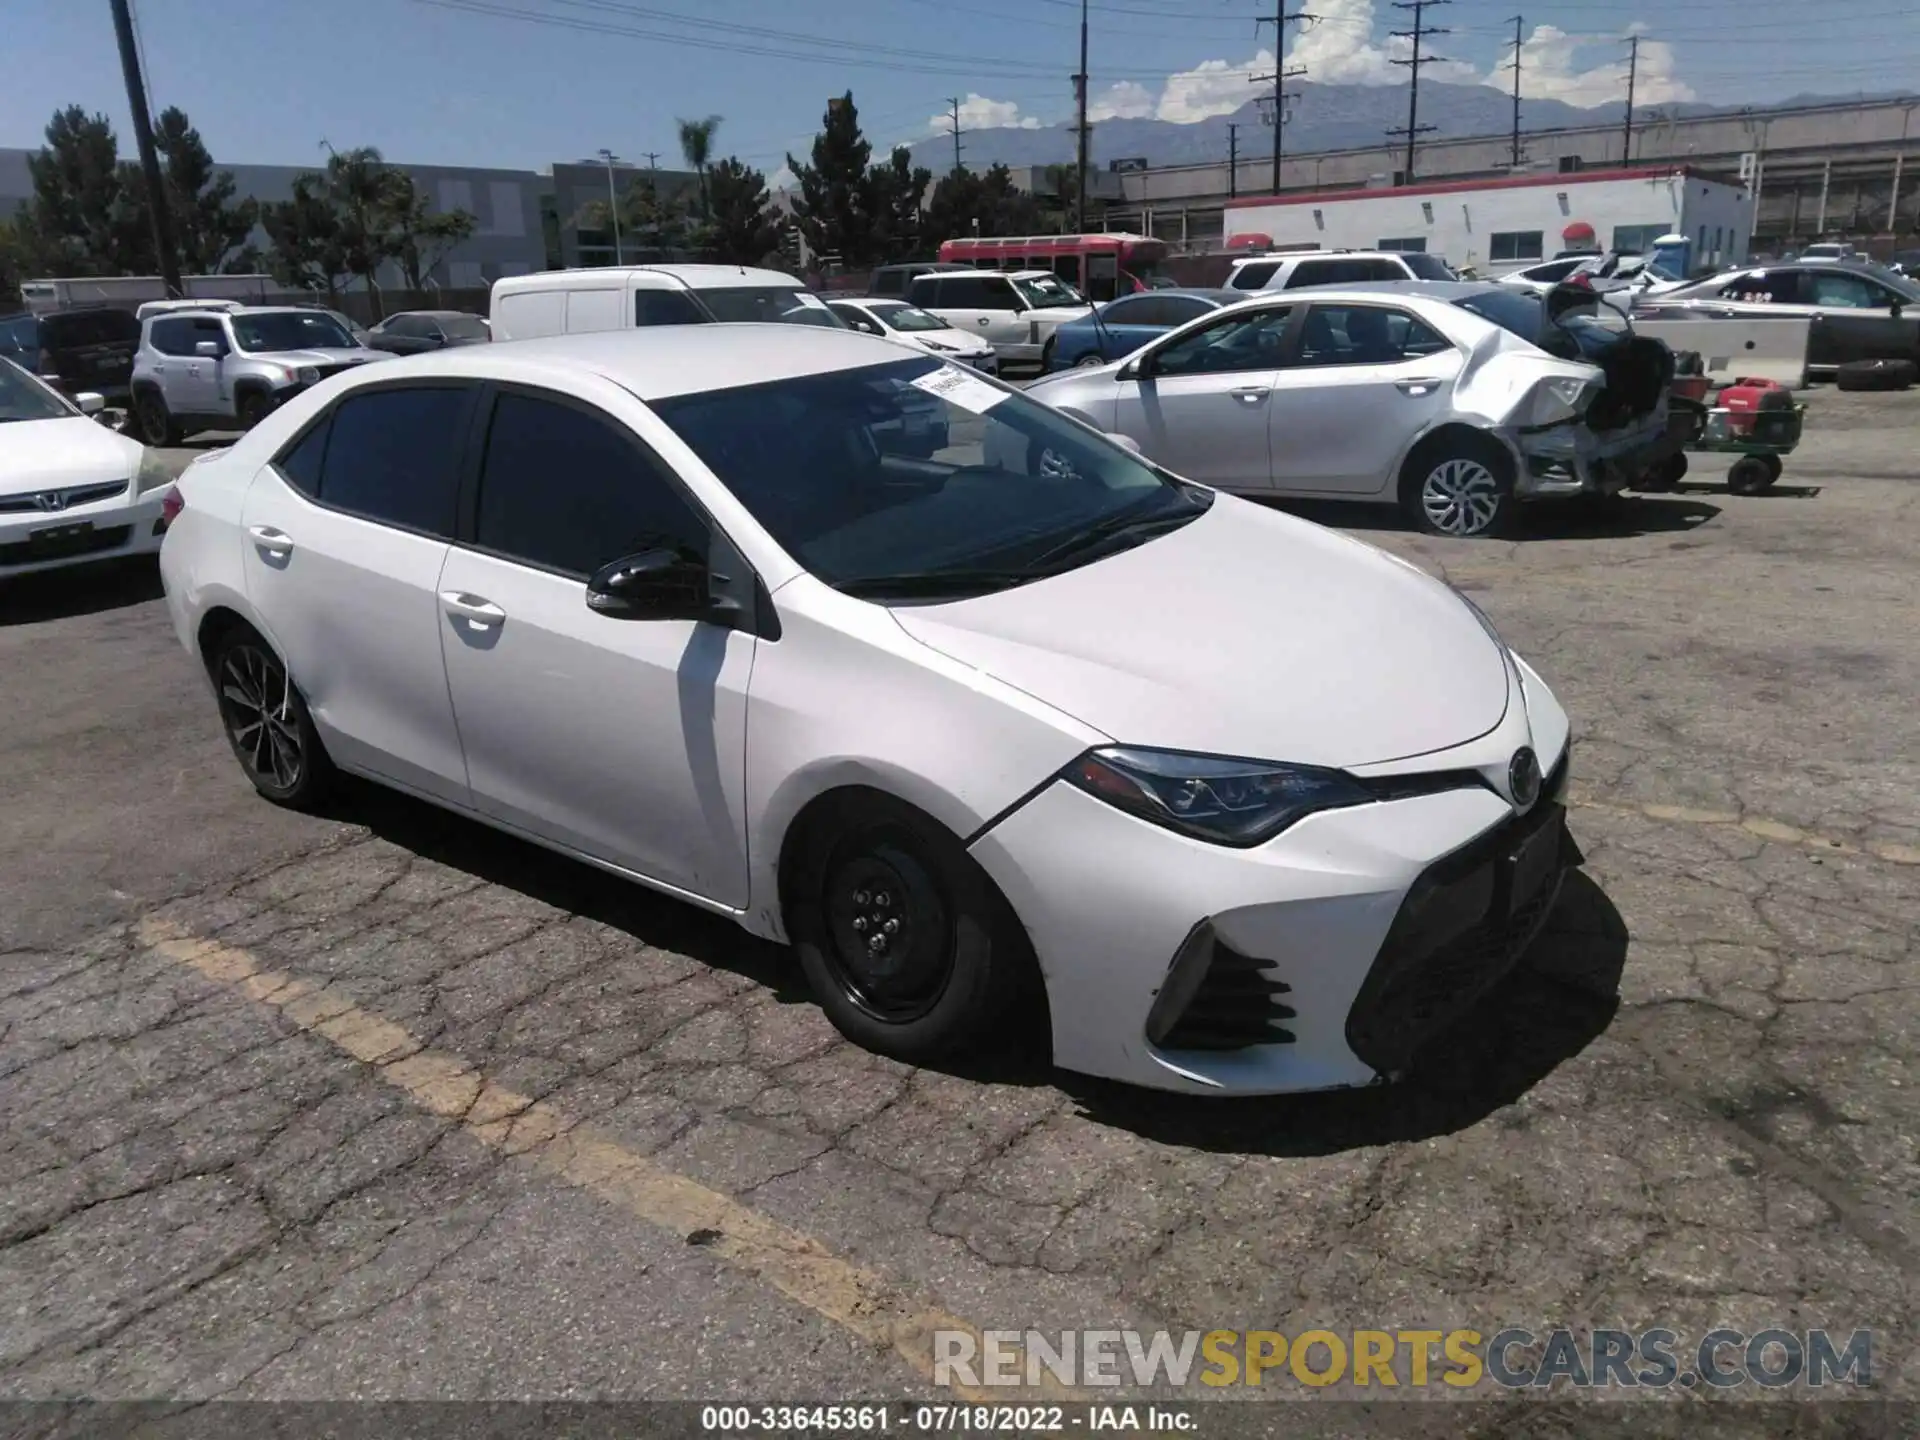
918 479
290 330
1427 267
24 398
462 327
769 304
1043 290
907 317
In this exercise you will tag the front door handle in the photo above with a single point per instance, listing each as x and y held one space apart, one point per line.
274 542
1417 387
477 609
1250 394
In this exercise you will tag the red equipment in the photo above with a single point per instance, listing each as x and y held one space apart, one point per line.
1745 398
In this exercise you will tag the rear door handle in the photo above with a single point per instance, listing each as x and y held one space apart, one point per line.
1417 387
274 542
1251 394
479 610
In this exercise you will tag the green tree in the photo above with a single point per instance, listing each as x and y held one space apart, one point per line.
79 220
654 223
896 193
966 203
305 247
423 236
835 206
210 227
745 228
696 145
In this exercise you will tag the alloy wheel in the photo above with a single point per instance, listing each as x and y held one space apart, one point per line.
890 943
1460 497
153 419
256 702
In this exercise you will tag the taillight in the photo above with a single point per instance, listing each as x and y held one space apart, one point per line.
171 504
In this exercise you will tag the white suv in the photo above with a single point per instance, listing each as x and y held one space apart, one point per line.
1297 270
1016 313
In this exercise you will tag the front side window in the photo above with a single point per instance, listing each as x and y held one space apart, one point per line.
665 307
613 501
769 304
205 330
1842 291
1516 245
1041 291
919 479
856 318
392 455
171 337
1133 310
1249 341
1254 276
1364 335
290 330
1428 267
462 327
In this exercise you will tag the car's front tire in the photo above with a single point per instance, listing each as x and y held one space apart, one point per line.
252 407
1459 486
267 722
158 428
905 942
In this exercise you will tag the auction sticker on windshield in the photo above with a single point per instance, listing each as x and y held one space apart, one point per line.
960 387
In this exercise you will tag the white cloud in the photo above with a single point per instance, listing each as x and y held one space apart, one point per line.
977 112
1123 100
1213 87
1548 70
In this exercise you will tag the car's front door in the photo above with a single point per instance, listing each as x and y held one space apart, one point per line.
198 390
345 534
1198 402
1362 380
1858 318
621 739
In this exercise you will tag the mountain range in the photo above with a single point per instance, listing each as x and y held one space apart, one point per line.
1325 117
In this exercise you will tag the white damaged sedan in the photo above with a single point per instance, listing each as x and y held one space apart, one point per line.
1247 805
71 490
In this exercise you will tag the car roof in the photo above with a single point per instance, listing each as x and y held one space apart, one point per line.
694 277
1444 291
661 361
436 314
1322 255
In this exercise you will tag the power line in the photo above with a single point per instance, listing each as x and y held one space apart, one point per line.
1633 67
1515 67
1414 129
953 103
1280 19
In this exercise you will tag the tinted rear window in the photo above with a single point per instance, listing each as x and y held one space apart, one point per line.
1428 267
391 456
88 327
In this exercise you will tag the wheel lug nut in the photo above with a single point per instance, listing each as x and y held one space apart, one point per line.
859 922
883 899
891 926
877 943
861 897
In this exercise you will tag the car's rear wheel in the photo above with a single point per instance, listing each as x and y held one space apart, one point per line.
1092 360
1458 487
157 425
905 942
267 722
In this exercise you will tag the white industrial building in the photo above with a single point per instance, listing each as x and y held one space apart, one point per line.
1500 224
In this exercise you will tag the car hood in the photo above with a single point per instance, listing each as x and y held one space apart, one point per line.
53 454
354 356
1246 633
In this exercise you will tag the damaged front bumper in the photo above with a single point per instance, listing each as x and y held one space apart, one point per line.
1574 459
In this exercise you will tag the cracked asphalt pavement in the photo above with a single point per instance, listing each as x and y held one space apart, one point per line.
382 1104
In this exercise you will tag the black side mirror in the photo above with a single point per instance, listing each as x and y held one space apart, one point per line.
665 583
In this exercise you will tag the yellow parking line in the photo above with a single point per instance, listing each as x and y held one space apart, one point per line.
799 1266
1773 830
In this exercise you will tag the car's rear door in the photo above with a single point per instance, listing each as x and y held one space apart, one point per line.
345 535
624 740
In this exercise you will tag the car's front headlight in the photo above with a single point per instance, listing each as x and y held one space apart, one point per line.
1559 399
308 375
153 472
1213 797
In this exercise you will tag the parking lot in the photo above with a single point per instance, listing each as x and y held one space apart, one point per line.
382 1104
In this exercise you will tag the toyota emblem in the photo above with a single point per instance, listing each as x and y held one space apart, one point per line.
50 500
1523 779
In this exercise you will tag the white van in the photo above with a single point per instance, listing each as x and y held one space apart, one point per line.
618 297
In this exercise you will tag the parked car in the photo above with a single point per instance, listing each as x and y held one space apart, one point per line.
1122 326
889 282
71 490
1544 276
1859 310
228 370
411 331
1296 270
1015 312
1631 273
86 349
619 297
1445 398
915 328
974 739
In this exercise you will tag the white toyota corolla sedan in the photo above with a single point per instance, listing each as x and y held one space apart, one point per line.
1249 806
71 490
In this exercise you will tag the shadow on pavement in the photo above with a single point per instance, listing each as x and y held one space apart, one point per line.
79 590
1560 999
1626 516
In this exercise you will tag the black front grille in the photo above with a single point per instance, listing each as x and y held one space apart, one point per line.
1234 1000
1457 933
64 546
71 496
326 371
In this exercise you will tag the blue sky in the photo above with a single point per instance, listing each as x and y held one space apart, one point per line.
527 82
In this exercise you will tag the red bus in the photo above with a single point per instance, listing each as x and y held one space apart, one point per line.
1098 266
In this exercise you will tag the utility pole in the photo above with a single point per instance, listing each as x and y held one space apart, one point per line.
607 157
1515 67
653 159
953 104
157 209
1233 160
1633 70
1280 19
1080 131
1414 129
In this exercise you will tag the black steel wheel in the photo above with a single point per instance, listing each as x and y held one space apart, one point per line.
157 425
267 723
254 406
904 941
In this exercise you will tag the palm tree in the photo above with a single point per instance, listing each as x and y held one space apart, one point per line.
696 144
